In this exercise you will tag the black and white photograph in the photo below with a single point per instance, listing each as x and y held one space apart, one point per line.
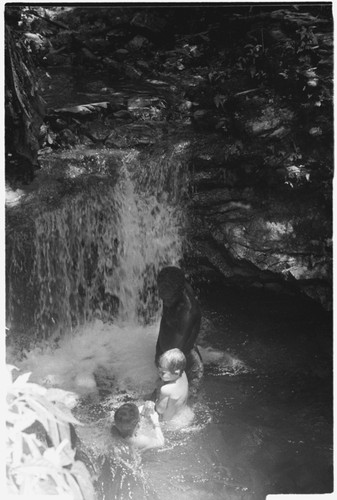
168 260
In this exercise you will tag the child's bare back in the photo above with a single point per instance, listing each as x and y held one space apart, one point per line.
173 397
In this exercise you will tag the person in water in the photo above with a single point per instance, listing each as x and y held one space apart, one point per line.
180 322
127 423
173 394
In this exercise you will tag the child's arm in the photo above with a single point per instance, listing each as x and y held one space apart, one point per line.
147 441
162 401
159 435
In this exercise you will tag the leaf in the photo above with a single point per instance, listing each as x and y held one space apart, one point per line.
26 420
34 389
11 418
219 100
58 457
53 411
22 379
74 486
56 395
64 432
83 478
33 445
42 415
17 450
66 453
53 432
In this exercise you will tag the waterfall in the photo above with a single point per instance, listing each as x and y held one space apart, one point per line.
97 253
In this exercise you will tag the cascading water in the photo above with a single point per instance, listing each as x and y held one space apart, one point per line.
93 264
149 232
96 255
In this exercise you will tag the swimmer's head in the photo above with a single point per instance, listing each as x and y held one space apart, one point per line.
171 283
126 419
171 365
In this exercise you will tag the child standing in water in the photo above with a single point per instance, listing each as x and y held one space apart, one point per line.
127 424
121 476
173 393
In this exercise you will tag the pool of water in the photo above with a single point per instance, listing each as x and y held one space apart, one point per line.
274 422
263 416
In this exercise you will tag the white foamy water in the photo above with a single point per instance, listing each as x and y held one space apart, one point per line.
222 363
116 356
122 354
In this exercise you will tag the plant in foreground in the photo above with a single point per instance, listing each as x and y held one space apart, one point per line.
41 466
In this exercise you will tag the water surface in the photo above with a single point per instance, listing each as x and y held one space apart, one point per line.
263 419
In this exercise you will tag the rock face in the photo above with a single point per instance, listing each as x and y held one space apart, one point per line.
251 92
260 233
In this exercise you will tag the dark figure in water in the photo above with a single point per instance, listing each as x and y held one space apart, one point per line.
180 322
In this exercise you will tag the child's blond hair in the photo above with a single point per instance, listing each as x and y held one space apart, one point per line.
173 360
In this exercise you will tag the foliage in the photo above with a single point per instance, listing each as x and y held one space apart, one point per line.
32 466
252 60
290 56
